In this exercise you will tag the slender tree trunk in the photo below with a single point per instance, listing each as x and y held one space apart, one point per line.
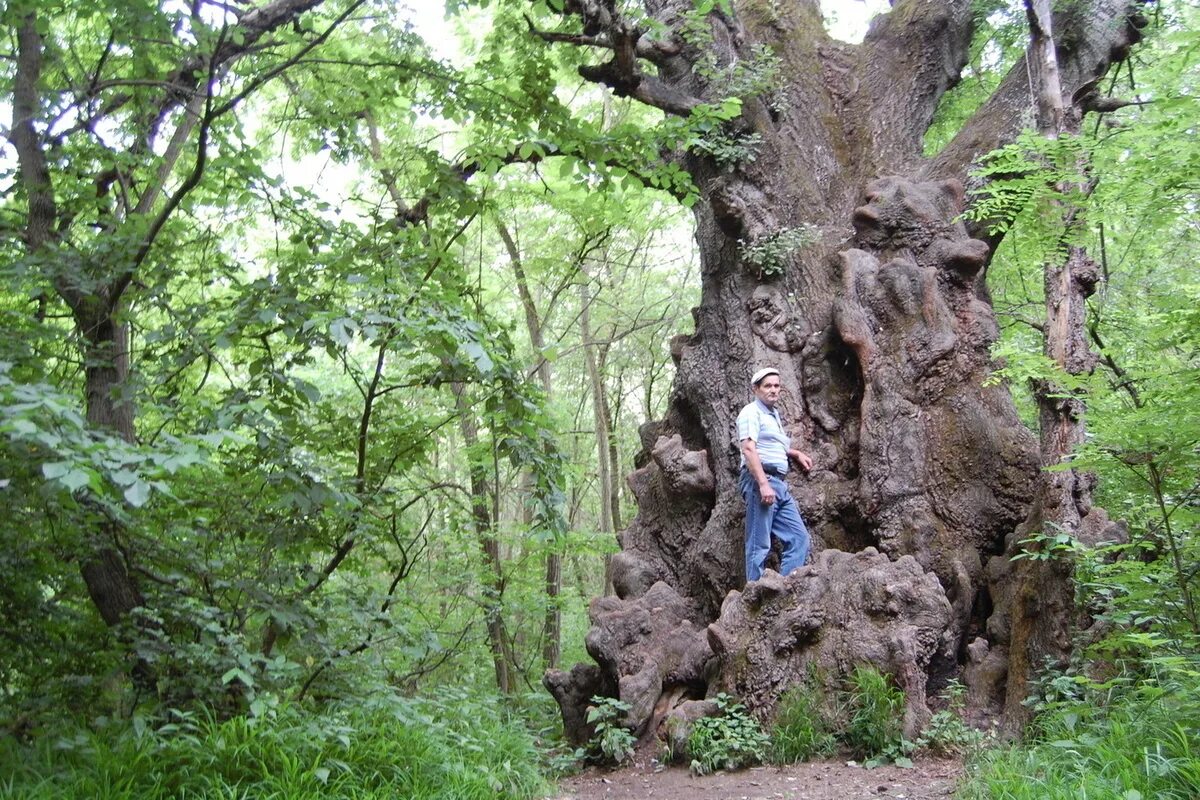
600 418
481 516
106 372
615 471
552 624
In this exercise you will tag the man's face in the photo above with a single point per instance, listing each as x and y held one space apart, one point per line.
768 390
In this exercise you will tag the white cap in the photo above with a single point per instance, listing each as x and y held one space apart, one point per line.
757 377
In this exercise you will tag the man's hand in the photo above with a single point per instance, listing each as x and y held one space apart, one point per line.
767 493
801 458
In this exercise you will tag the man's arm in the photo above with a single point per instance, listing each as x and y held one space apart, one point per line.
800 458
754 465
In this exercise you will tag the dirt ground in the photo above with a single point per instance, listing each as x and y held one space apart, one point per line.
929 779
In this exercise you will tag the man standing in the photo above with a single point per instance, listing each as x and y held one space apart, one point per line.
770 508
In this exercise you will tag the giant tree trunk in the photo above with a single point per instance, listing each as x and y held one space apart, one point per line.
881 328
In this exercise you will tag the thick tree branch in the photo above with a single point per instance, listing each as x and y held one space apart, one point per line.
35 174
1103 31
605 27
652 50
913 56
640 87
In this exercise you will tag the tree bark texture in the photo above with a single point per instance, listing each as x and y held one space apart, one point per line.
880 325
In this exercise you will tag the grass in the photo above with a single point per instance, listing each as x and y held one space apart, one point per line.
1136 742
453 748
876 714
801 731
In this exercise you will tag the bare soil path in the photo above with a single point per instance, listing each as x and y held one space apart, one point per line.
929 779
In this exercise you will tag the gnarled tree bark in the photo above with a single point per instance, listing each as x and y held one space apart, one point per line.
880 326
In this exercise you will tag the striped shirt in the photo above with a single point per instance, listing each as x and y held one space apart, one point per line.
764 426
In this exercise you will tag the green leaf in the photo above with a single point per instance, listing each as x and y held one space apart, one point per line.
55 470
237 673
483 362
138 493
76 479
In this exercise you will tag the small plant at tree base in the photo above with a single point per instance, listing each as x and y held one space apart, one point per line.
947 733
730 740
876 707
1057 686
802 731
612 742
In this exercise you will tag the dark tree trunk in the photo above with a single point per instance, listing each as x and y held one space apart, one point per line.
879 324
106 370
482 496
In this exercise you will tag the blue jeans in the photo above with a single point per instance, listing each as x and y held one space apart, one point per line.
782 519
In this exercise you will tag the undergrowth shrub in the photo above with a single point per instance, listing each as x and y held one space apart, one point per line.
865 719
731 739
611 741
946 733
453 747
1126 739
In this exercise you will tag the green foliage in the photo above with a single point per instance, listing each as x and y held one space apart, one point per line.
875 709
725 148
946 733
611 742
1021 179
732 739
452 747
755 74
1146 445
865 718
768 254
1048 545
802 729
1136 222
1137 736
